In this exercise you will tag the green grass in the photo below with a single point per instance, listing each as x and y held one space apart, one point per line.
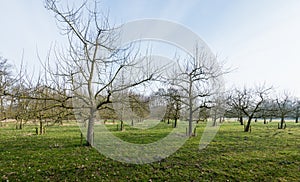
266 154
142 136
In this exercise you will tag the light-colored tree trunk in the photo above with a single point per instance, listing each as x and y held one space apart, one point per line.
190 131
90 130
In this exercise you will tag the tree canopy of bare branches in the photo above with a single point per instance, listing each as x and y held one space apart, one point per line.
284 107
197 79
92 65
248 102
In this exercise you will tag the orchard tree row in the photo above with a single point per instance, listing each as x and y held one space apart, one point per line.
92 73
47 103
92 78
261 103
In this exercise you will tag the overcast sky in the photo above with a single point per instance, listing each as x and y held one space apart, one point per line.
260 39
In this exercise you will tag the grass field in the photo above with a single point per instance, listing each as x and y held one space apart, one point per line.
265 154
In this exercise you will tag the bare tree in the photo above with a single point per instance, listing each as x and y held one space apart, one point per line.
268 110
92 64
296 109
248 101
12 96
158 104
122 108
217 109
203 114
5 84
108 113
35 100
172 99
20 106
232 109
139 105
284 107
197 79
48 106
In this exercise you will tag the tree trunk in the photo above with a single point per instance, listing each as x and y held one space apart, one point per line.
21 124
281 122
175 122
247 128
122 125
297 115
81 139
241 120
190 132
90 131
214 120
1 109
221 120
41 127
265 120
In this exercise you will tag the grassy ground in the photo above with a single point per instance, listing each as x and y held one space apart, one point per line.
266 154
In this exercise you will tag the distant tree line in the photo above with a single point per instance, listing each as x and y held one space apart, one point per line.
24 99
43 103
258 103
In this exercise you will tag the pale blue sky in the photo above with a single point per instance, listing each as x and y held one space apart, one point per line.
261 38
